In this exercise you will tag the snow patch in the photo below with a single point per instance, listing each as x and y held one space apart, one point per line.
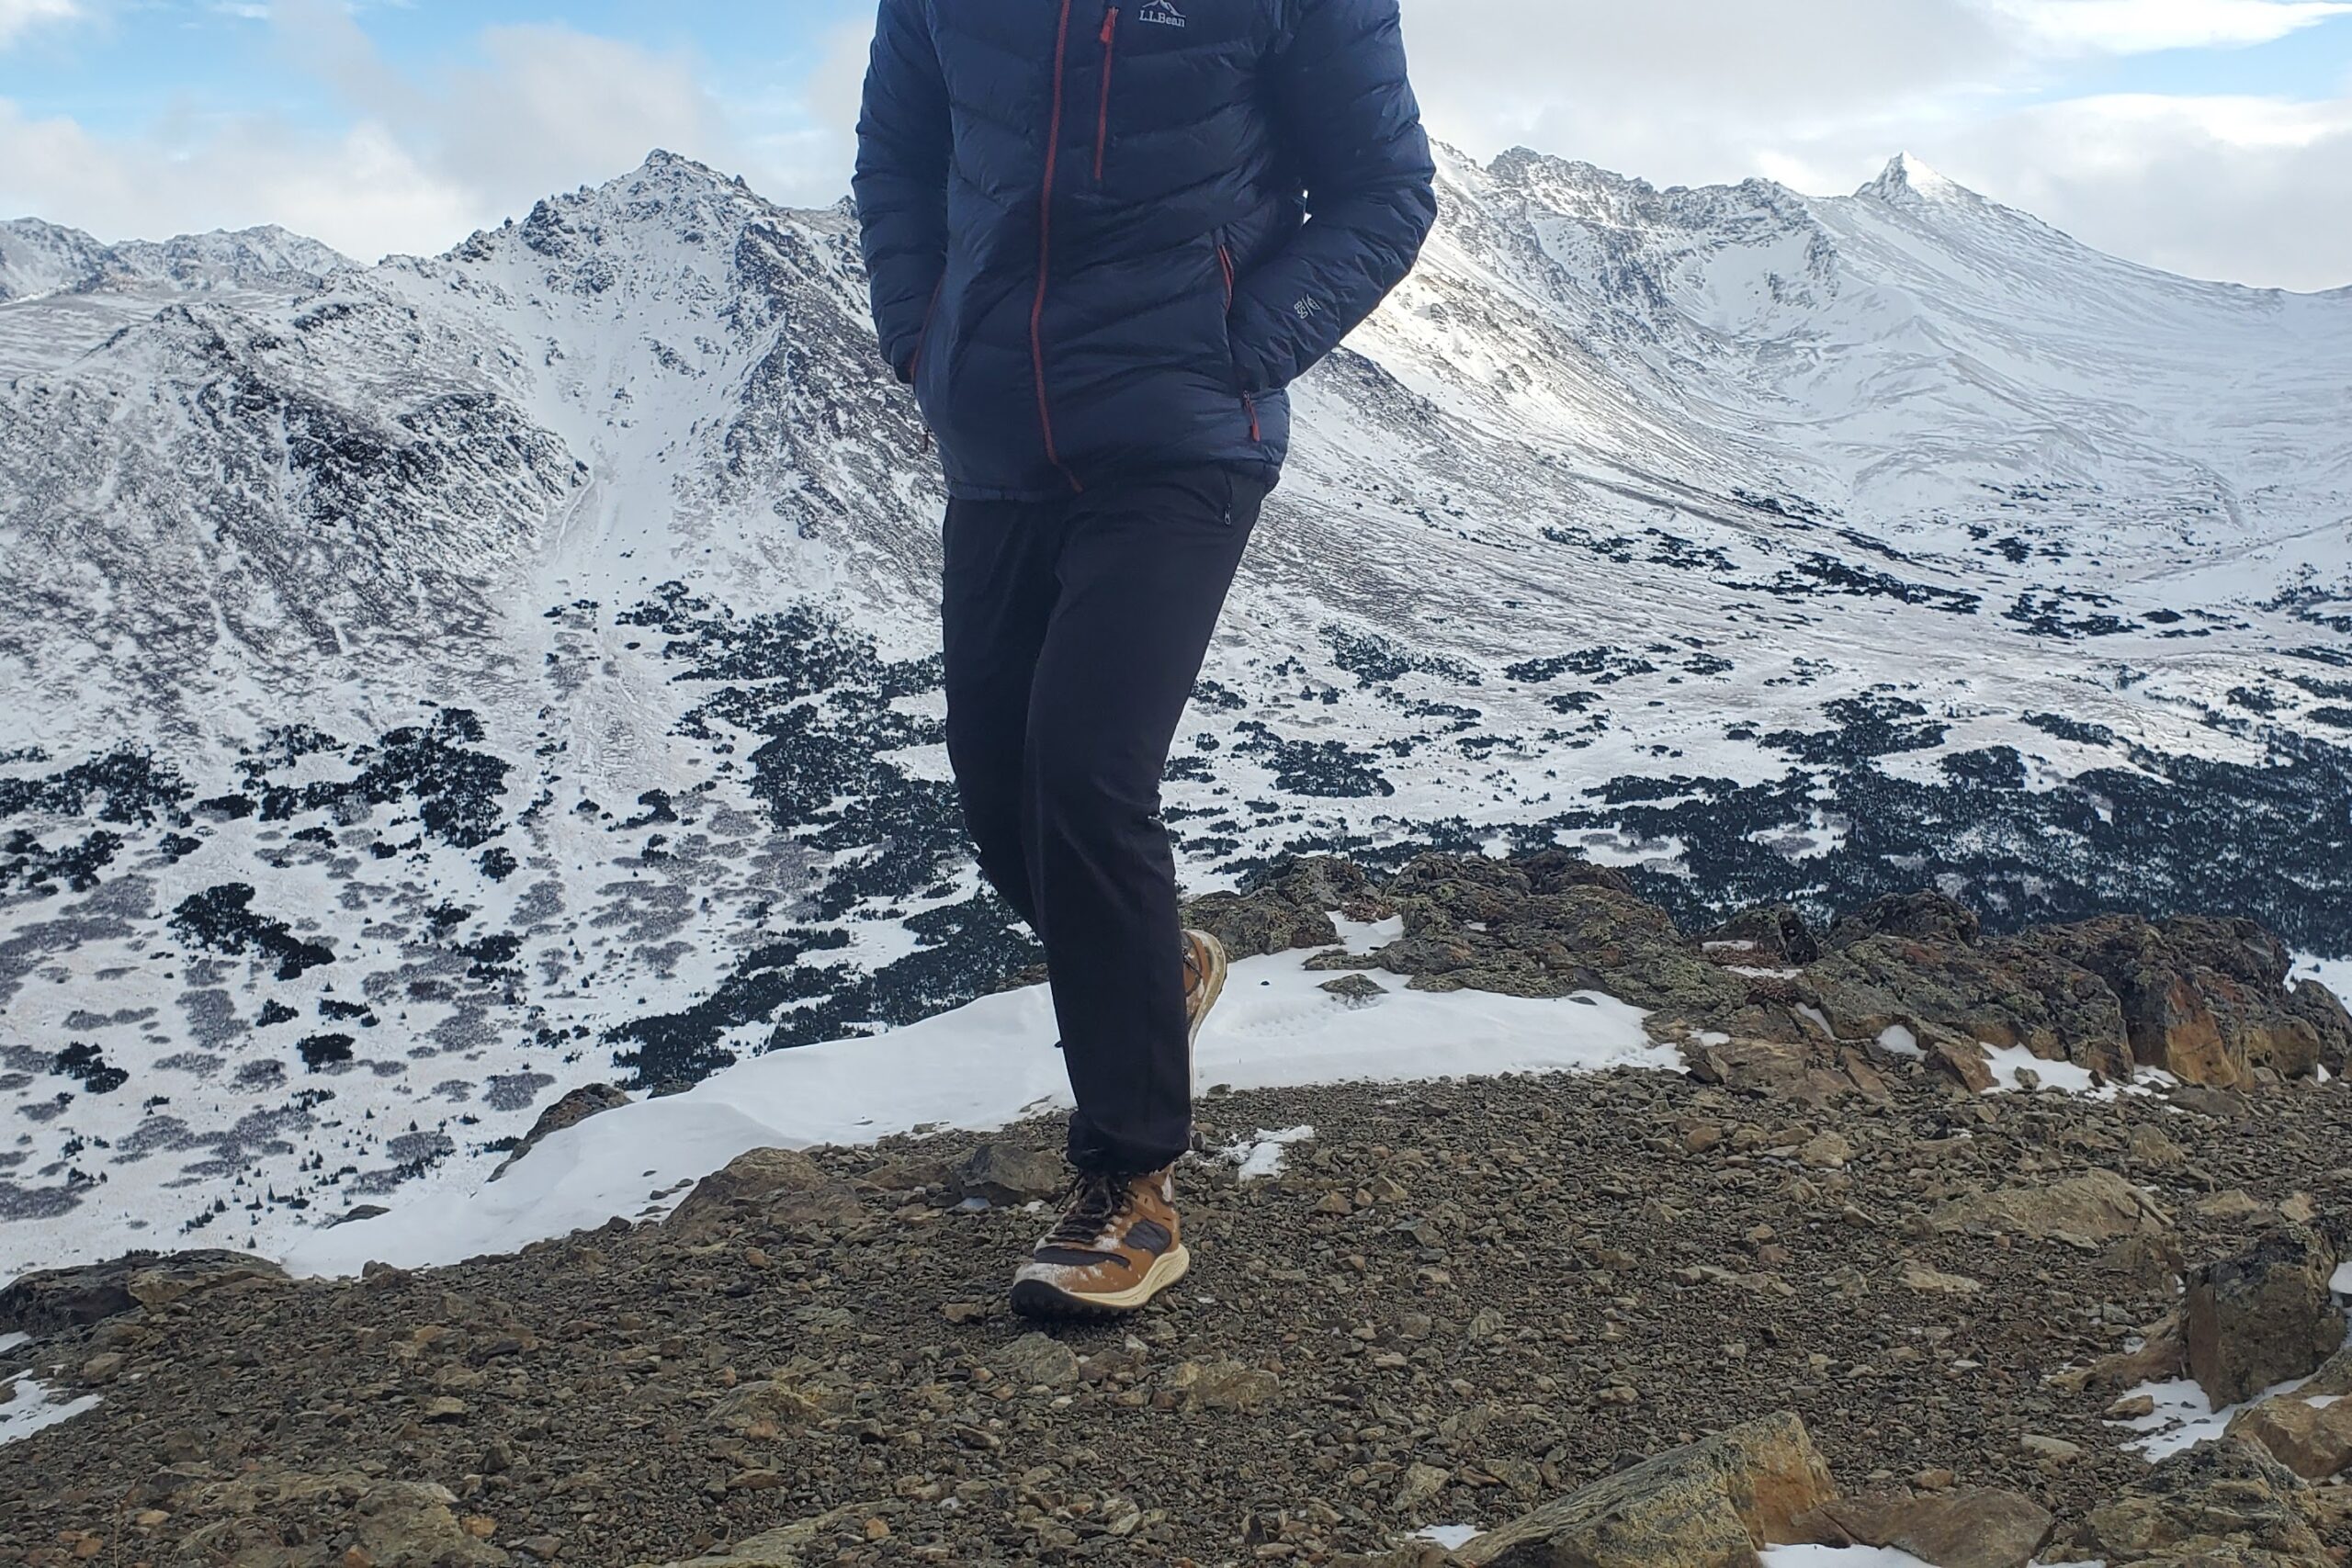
31 1409
2336 974
2341 1283
10 1341
2007 1061
1450 1537
2185 1417
977 1069
1838 1557
1261 1155
1899 1041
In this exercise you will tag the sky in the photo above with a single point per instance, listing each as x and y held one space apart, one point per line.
2207 137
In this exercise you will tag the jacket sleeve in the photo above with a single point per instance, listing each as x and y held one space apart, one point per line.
903 138
1352 130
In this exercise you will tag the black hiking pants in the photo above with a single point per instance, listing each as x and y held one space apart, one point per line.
1075 631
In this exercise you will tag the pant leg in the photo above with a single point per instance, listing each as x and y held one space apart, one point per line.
1144 571
996 598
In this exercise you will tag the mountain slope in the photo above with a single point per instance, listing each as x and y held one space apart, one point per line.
431 686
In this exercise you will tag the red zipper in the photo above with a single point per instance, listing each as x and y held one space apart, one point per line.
1046 249
914 362
1103 119
1249 403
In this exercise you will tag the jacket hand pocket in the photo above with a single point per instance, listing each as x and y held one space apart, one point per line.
1228 279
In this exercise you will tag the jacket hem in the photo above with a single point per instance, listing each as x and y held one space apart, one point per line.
1267 471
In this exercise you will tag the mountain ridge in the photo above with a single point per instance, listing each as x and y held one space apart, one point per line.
433 686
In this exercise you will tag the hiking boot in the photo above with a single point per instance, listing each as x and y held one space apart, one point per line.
1117 1247
1205 968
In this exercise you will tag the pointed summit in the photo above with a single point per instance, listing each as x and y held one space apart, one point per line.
1907 181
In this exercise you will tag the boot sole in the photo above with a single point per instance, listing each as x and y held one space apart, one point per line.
1035 1298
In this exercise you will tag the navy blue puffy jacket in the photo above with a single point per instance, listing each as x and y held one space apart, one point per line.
1103 235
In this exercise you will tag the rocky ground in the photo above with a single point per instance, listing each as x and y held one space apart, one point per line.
1459 1303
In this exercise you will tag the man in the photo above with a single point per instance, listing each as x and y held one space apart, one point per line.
1103 237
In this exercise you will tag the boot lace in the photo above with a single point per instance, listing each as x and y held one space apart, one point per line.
1095 1199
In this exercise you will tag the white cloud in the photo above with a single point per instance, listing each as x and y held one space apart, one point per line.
2249 189
2134 27
1815 94
1695 90
1818 96
425 160
18 17
359 190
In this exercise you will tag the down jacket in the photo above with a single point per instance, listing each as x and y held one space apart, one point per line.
1103 235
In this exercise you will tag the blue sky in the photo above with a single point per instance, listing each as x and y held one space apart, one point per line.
224 56
2214 137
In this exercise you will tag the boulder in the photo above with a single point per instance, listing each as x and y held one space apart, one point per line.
2003 993
1917 1275
778 1187
904 1173
2335 1378
2162 1356
2310 1433
1327 883
802 1542
48 1300
2262 1316
1917 917
590 1100
1770 934
1037 1358
1252 925
1289 907
1962 1060
1782 1069
1558 869
2205 999
1011 1174
2164 1011
1711 1504
396 1524
1223 1385
2330 1023
2096 1206
1485 925
1964 1528
772 1406
2200 1507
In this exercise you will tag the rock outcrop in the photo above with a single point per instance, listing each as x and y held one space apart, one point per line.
779 1186
589 1100
1711 1504
1969 1527
2264 1315
2206 999
2096 1206
48 1300
2220 1505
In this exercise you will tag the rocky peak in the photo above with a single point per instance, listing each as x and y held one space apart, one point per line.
37 258
1905 181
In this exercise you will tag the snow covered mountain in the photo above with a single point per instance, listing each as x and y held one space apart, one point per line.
428 687
39 259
